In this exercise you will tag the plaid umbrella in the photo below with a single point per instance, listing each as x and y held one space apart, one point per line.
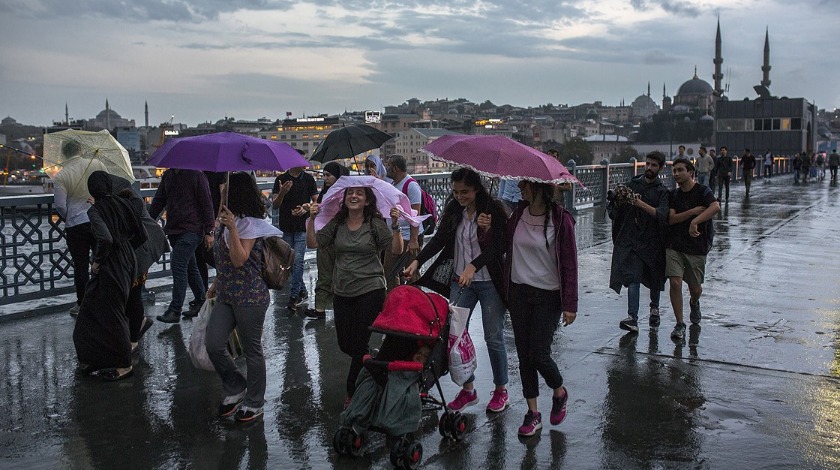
499 156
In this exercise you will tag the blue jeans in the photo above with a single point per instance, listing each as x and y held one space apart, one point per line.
297 240
633 299
185 269
703 178
492 319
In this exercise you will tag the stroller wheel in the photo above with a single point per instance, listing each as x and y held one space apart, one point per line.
340 441
443 424
398 451
458 426
356 443
413 455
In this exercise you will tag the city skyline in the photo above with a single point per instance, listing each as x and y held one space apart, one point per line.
201 61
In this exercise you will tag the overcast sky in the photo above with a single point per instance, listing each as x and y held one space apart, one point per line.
201 60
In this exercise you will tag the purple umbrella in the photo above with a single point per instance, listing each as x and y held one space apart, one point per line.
499 156
227 151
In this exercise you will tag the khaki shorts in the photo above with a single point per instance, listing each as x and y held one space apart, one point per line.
691 268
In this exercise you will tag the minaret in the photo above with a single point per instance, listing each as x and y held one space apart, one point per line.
107 115
147 114
666 102
765 69
718 75
648 88
66 114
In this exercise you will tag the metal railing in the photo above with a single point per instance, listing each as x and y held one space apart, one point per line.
35 262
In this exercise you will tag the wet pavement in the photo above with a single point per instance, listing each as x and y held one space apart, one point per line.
757 387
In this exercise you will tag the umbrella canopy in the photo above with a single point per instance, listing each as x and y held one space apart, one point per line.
387 196
349 141
227 151
71 156
499 156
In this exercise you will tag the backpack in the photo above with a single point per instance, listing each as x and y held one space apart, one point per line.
278 258
427 206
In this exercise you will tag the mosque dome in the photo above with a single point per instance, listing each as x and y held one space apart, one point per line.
8 120
695 86
107 113
644 106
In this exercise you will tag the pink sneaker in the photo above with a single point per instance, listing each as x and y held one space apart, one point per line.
558 408
531 424
464 399
498 401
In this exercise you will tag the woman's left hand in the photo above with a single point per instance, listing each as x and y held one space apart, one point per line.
466 277
569 318
395 214
227 218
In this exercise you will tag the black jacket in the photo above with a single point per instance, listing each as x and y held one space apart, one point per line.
492 244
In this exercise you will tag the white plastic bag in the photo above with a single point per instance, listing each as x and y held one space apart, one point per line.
462 360
198 351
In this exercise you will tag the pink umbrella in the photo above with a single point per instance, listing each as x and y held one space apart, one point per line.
499 156
387 196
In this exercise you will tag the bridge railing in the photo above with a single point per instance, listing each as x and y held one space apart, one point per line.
35 262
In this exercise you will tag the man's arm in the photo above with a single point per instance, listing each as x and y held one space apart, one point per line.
675 218
159 201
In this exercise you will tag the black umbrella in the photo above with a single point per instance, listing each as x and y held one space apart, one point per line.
349 141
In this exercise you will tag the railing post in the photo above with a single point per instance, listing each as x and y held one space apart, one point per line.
570 195
633 162
605 185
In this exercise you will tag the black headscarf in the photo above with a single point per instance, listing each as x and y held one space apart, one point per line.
121 216
336 169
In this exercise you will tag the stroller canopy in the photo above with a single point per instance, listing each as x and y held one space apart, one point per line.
411 312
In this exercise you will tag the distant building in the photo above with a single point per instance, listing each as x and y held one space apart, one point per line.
408 144
108 119
695 95
605 146
784 125
303 133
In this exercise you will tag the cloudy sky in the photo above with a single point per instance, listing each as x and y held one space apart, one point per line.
201 60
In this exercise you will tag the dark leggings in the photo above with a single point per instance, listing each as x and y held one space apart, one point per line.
535 314
353 316
80 242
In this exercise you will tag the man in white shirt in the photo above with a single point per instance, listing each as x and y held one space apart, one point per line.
397 171
705 163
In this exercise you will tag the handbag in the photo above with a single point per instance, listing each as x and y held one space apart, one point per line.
198 345
462 357
278 258
443 272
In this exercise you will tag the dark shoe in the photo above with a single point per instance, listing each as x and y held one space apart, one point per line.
147 323
679 332
629 324
292 305
246 414
654 317
193 309
315 314
231 403
170 316
111 375
695 316
303 295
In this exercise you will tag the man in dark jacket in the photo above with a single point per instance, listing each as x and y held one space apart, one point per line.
747 164
724 167
638 245
185 195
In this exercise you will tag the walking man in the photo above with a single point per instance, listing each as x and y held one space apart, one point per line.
397 171
638 245
77 231
748 165
705 164
292 193
689 240
724 168
185 196
833 163
768 164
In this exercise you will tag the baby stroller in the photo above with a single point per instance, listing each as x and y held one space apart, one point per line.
392 390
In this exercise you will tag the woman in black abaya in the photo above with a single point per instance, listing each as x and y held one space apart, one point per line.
101 335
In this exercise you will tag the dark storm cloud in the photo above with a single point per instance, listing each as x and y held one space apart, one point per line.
675 7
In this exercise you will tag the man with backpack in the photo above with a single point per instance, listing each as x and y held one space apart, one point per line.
397 171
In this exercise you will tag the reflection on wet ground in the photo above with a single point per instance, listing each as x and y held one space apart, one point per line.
757 386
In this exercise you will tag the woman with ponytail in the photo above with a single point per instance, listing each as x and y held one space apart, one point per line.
541 286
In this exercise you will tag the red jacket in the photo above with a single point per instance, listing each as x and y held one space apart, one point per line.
567 266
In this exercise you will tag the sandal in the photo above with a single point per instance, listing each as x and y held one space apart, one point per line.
112 375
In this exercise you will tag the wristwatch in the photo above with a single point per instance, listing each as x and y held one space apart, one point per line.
394 227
